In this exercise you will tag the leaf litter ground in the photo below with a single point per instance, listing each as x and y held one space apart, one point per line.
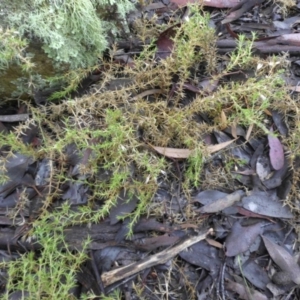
174 176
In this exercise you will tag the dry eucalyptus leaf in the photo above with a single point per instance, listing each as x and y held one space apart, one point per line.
276 152
125 205
209 196
211 3
241 237
242 291
185 153
218 147
278 119
263 167
173 152
260 203
165 42
255 274
283 259
222 203
203 255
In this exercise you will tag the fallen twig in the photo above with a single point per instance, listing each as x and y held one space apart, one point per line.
14 118
162 257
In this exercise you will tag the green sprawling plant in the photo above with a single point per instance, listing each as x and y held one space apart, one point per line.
110 123
50 273
11 48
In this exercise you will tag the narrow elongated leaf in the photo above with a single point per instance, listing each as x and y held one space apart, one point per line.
173 152
223 202
283 259
211 3
218 147
209 196
185 153
276 152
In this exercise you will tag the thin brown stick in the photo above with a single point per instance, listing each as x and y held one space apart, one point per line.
162 257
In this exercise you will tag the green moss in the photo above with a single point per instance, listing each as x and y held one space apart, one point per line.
73 32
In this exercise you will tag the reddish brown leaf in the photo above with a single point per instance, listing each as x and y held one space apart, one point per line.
165 43
149 244
276 152
248 213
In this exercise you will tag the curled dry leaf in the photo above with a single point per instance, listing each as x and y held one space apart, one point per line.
283 259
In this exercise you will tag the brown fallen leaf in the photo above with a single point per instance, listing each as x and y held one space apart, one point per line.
283 259
214 243
241 238
210 3
234 130
222 203
185 153
249 131
295 88
240 9
276 152
165 42
242 291
218 147
248 213
223 120
259 202
149 244
173 152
